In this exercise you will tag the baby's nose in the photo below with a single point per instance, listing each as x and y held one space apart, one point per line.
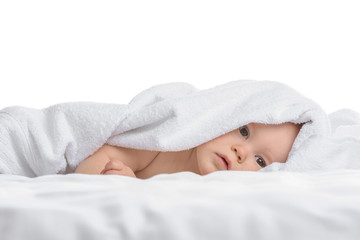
240 152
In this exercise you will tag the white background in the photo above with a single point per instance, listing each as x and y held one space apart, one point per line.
108 51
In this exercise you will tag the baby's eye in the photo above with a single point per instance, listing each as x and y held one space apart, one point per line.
260 161
244 131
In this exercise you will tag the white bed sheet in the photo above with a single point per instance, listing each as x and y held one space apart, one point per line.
221 205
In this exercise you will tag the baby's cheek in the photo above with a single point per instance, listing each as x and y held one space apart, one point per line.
204 160
251 166
199 157
201 151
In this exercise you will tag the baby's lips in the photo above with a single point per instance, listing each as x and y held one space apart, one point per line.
226 160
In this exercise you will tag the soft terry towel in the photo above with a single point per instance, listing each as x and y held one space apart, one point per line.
167 117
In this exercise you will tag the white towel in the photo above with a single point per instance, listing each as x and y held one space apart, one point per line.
167 117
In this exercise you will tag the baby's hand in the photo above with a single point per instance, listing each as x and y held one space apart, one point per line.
117 167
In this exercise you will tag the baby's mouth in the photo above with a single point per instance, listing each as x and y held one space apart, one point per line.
224 159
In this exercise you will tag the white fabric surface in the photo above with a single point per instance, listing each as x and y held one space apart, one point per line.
222 205
166 117
269 204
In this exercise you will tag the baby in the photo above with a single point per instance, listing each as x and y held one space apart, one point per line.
240 125
248 148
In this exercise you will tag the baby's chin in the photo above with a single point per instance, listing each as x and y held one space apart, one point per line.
204 172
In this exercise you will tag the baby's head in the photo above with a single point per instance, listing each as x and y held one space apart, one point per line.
248 148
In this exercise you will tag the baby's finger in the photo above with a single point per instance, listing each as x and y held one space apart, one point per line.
117 167
129 172
113 165
124 172
111 172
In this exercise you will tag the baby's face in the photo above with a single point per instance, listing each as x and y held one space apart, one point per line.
249 148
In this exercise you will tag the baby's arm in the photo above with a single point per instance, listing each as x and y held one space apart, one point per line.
95 163
116 160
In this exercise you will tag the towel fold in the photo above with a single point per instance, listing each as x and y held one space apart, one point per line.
170 117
